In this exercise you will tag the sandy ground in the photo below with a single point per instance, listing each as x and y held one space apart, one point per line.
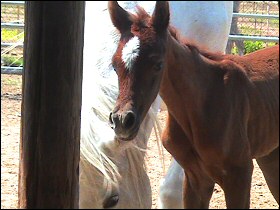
261 197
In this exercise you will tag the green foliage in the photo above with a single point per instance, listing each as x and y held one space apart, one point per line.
11 35
12 61
248 30
234 51
274 23
252 46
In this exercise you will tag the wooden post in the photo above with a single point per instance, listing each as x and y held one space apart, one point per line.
51 105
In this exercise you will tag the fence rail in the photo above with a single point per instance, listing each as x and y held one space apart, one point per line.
17 45
13 2
12 25
232 37
255 15
253 38
11 70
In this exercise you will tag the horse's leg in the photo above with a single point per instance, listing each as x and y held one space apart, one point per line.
171 187
198 187
270 168
198 190
237 185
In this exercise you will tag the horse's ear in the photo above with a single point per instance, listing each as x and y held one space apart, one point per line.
121 19
161 15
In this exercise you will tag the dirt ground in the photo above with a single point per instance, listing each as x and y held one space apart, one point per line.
261 197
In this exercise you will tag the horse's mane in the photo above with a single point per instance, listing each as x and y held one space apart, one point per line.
99 94
176 34
95 115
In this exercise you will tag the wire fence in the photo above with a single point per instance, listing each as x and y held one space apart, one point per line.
12 36
259 26
255 25
252 20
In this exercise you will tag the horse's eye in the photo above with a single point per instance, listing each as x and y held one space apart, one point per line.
110 201
114 66
158 66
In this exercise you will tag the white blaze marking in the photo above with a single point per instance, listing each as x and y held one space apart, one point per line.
130 52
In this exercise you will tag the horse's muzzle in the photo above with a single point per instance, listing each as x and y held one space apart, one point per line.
124 124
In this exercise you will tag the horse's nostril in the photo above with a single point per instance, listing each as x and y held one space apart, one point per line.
113 120
110 118
129 120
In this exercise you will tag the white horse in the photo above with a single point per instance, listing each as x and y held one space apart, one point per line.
112 172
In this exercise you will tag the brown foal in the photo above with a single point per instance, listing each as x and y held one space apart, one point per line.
223 110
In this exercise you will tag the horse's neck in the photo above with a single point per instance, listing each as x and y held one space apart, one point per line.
186 77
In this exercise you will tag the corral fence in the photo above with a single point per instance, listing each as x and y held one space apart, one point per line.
256 21
12 35
253 21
